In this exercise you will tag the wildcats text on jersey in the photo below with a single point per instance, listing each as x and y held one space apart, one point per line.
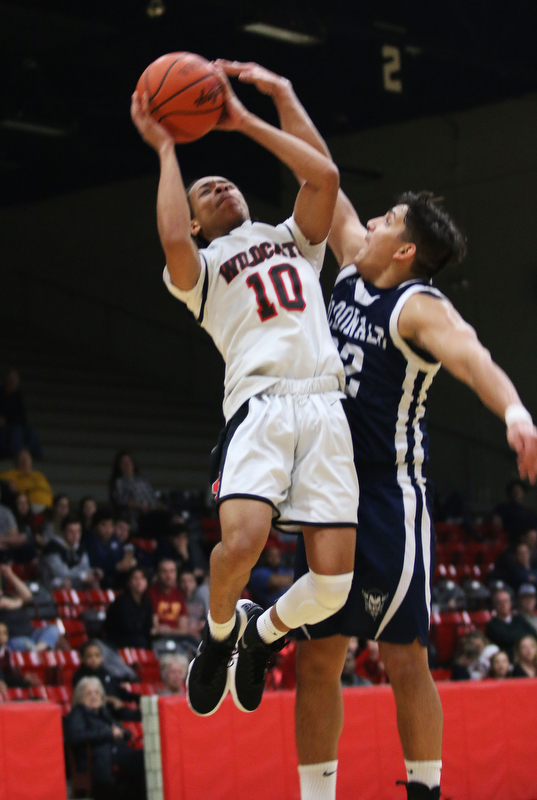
256 255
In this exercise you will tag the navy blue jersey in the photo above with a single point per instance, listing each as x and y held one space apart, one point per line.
387 379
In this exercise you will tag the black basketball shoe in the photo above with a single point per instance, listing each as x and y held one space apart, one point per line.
418 791
249 669
208 676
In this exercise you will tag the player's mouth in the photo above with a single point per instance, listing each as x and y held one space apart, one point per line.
223 199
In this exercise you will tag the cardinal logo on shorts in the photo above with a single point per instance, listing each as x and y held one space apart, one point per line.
374 602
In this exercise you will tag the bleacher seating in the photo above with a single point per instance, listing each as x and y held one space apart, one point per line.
144 663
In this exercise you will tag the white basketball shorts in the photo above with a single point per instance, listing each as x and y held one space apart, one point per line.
294 452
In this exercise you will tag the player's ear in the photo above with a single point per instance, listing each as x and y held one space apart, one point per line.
195 227
406 252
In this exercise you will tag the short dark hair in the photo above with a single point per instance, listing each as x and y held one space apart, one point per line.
89 643
70 519
439 243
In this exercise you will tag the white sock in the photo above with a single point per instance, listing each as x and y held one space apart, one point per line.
221 630
427 772
318 781
267 629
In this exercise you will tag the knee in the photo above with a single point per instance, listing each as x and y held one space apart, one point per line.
320 661
239 553
330 591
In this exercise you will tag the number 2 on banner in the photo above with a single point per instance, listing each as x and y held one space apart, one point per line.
286 282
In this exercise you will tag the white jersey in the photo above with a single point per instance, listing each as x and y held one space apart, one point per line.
259 298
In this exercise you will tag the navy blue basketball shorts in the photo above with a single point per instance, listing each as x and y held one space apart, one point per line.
390 598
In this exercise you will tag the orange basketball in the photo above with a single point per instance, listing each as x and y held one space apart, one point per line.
185 95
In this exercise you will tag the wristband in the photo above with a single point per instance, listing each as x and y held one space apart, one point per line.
517 413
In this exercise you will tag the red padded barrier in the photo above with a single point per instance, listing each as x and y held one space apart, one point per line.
489 744
31 752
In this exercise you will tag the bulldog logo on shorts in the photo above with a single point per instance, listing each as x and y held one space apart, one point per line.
374 602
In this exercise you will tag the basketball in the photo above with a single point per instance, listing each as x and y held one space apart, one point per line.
185 95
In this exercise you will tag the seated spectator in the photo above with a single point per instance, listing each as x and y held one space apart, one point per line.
525 661
129 619
92 666
104 549
197 602
506 626
269 579
15 433
526 604
28 523
369 664
65 564
174 546
349 676
61 507
10 677
133 556
521 569
529 537
173 671
473 659
29 481
500 666
514 516
129 491
15 614
86 511
169 606
90 722
14 544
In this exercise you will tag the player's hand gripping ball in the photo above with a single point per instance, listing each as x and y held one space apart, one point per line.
185 95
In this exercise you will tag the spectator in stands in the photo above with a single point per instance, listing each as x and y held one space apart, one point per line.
14 613
369 664
169 606
10 677
197 603
15 433
500 665
529 537
175 547
269 579
29 481
65 564
520 569
86 511
61 507
472 661
92 666
90 722
133 556
129 491
104 549
27 522
129 619
349 676
525 661
506 626
514 516
526 604
173 670
18 546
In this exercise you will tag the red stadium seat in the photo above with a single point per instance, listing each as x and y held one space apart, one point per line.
16 694
144 662
137 734
449 532
446 630
30 663
145 689
149 545
55 694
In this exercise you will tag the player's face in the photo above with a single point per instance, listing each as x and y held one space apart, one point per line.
385 236
218 207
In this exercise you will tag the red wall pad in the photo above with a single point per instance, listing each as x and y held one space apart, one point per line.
489 746
31 752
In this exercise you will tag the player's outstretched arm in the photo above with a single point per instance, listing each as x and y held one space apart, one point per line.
435 326
317 197
173 213
347 232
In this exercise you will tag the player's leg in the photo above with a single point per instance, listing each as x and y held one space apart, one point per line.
319 714
419 716
245 525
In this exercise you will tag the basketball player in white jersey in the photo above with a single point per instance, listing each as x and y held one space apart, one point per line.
286 451
393 331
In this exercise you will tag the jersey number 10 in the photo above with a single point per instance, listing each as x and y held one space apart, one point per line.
286 282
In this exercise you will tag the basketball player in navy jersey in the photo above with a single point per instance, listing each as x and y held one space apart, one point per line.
287 449
394 331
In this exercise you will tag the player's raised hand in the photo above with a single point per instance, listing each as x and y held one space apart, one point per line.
149 129
234 114
522 438
263 79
